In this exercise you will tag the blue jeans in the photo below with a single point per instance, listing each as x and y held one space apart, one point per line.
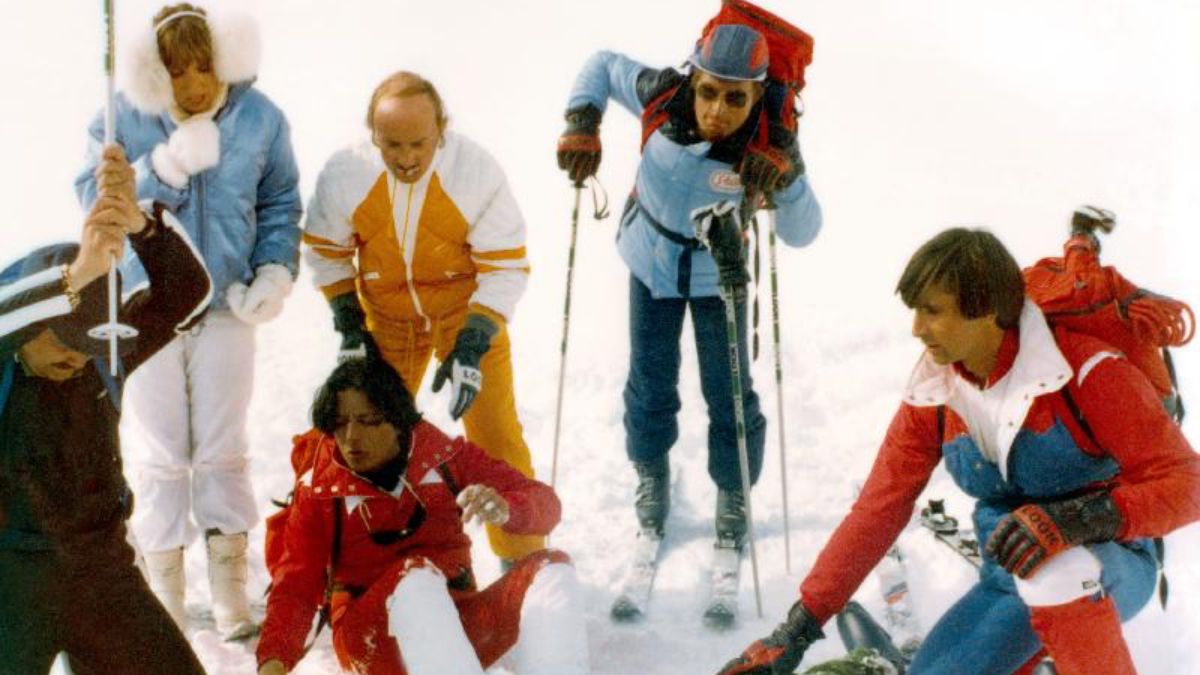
652 390
987 632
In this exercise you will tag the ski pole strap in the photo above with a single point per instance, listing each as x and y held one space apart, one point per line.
6 382
599 202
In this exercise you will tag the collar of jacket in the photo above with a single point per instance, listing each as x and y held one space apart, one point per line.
331 478
1039 366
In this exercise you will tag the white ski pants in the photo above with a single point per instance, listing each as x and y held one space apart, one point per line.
429 630
183 435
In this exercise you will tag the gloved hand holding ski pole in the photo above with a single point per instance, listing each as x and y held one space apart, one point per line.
579 144
461 367
773 167
719 228
780 652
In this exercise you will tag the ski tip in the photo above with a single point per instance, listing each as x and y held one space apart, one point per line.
720 617
625 610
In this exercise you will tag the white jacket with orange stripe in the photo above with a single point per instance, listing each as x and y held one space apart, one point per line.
425 249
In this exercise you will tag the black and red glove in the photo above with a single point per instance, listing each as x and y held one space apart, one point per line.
579 145
1030 536
781 651
773 167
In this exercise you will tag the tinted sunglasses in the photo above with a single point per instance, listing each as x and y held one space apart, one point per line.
733 99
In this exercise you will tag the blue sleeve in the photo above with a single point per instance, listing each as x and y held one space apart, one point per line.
279 207
798 217
148 184
607 75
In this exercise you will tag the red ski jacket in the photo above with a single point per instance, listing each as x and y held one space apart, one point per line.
1134 449
438 467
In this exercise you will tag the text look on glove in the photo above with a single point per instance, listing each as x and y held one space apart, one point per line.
461 367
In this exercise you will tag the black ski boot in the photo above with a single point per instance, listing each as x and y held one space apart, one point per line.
653 497
731 518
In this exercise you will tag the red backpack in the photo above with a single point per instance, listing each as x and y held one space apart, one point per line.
791 51
1076 292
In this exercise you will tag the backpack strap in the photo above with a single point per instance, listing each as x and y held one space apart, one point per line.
656 113
941 424
1078 415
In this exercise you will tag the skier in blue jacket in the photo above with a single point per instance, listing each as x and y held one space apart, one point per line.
698 128
216 152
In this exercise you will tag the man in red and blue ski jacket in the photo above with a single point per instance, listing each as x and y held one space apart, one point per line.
698 150
1072 457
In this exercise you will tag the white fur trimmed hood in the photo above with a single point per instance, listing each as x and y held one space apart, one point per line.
145 81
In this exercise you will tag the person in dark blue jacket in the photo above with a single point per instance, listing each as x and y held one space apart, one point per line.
67 577
697 127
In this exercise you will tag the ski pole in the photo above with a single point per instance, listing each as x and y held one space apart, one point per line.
111 331
562 365
729 299
783 467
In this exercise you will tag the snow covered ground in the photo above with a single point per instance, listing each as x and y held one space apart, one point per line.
919 116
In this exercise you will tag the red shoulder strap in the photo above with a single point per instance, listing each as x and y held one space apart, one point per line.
655 113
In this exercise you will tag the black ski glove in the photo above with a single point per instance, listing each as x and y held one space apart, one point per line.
579 145
781 651
1030 536
461 366
775 167
349 320
719 228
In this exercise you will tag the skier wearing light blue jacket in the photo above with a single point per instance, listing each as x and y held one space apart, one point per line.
216 152
698 128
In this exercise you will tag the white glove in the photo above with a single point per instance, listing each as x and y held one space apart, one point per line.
194 146
263 299
484 504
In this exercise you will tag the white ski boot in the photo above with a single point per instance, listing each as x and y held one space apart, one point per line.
164 571
227 572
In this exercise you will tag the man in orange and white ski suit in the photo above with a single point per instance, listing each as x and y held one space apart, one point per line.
419 246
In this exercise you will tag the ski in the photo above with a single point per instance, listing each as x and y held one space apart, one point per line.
638 580
721 611
945 528
898 610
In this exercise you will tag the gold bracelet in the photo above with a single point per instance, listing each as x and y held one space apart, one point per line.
72 296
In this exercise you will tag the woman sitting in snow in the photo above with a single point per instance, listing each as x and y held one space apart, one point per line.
380 503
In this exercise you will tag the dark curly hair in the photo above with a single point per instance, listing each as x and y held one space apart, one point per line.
378 381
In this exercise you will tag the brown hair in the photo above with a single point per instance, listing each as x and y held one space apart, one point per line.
402 84
184 40
974 267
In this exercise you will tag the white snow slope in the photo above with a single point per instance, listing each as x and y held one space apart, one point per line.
919 116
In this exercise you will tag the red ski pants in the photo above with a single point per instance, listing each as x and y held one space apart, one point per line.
491 617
